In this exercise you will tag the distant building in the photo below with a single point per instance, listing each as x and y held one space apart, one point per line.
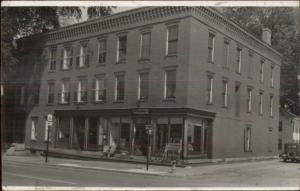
199 79
289 128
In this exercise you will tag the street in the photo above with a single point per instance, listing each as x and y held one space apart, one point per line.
253 174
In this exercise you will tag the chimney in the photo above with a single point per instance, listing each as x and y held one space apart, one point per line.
266 35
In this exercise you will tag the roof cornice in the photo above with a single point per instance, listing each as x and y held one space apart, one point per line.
141 15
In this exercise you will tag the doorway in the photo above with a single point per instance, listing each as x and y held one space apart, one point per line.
79 133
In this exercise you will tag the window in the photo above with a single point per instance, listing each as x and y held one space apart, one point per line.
121 54
279 144
211 47
250 65
83 59
143 88
261 71
225 93
52 59
99 89
170 84
64 93
34 121
237 99
247 139
210 82
280 126
145 45
51 92
36 94
120 87
226 53
81 93
260 103
67 58
239 60
102 51
272 76
172 39
249 100
22 95
271 105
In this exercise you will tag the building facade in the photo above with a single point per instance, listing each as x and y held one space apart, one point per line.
198 79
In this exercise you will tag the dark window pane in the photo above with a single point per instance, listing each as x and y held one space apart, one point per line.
170 84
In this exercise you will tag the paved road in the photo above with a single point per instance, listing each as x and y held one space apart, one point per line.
258 174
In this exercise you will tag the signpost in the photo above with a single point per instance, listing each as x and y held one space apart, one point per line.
49 123
149 132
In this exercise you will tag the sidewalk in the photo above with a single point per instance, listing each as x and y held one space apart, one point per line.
123 167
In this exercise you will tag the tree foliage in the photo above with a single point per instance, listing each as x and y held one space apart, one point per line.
18 22
284 24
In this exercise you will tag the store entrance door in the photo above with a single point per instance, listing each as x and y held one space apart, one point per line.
79 133
140 136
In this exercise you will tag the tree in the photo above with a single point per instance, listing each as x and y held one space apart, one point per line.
18 22
284 24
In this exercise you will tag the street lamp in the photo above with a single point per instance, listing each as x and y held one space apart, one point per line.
149 133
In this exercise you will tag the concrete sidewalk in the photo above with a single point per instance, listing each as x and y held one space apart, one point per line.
126 167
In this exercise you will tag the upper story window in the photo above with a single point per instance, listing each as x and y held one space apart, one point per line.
120 87
226 53
280 126
261 102
51 89
53 54
261 71
238 60
250 64
210 86
102 51
249 100
170 84
67 58
271 105
145 45
272 76
64 92
143 87
36 94
99 89
225 92
81 94
211 47
83 58
172 39
122 49
237 91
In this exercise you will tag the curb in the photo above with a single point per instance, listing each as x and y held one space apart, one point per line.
101 169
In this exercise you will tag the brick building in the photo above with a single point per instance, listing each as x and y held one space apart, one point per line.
200 80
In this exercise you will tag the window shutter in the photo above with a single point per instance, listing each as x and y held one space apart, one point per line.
71 58
62 59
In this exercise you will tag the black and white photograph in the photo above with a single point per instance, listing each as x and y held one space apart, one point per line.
150 95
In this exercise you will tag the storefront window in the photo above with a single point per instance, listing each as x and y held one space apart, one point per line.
194 139
120 133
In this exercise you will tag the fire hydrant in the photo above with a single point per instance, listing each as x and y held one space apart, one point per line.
173 166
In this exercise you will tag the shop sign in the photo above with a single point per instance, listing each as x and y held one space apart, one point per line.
141 111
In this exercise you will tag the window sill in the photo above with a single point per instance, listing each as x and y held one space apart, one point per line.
51 71
64 103
260 114
249 112
49 104
80 102
169 100
33 140
101 65
121 62
66 69
271 116
82 67
211 62
143 100
209 103
224 106
171 55
99 102
143 60
118 101
239 73
250 151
